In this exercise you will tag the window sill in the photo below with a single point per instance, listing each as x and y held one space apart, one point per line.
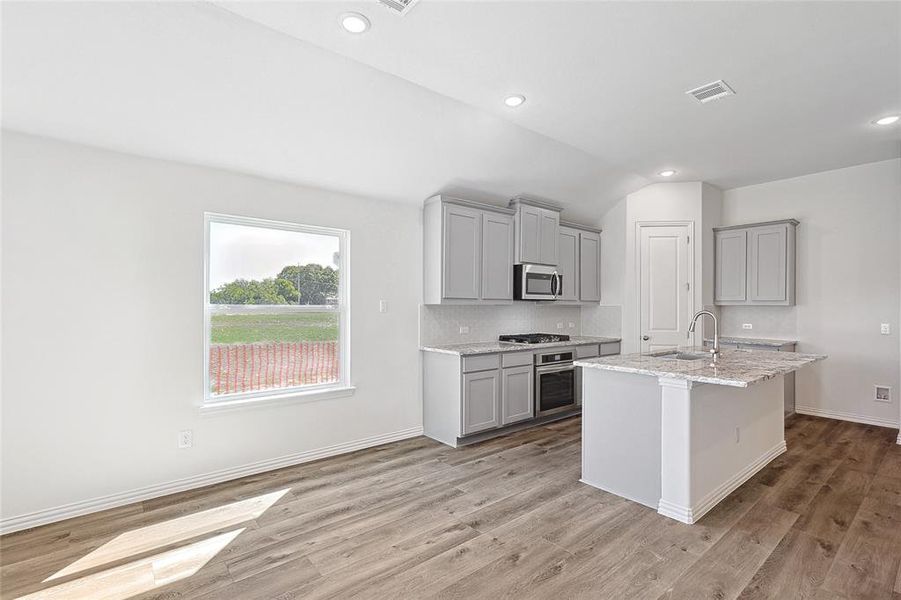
294 397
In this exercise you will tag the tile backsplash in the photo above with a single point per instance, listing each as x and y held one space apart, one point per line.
603 320
440 325
778 322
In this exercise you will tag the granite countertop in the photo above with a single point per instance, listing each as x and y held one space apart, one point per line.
735 367
726 339
495 347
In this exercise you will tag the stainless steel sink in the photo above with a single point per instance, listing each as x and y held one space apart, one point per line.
683 355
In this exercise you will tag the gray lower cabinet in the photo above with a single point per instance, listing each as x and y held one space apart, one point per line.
481 399
517 394
755 264
476 393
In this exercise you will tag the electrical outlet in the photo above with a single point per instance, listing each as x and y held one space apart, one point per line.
882 393
747 326
571 324
185 438
560 325
885 329
383 306
464 329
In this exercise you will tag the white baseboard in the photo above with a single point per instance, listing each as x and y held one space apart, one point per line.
846 416
691 514
84 507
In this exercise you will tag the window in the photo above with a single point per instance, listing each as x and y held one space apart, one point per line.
275 310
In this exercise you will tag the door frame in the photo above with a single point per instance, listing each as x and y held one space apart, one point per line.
639 225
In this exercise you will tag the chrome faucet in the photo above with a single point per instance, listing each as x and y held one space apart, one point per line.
715 351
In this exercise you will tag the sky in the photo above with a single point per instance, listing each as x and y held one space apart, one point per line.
245 252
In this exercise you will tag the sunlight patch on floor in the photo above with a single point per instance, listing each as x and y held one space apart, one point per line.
173 531
141 575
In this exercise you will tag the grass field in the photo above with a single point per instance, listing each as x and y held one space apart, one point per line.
296 327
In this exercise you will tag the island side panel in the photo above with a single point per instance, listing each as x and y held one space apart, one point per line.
722 459
621 434
441 395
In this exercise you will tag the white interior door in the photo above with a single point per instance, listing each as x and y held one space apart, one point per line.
665 286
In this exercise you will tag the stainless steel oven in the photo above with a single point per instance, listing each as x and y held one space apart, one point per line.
555 382
536 282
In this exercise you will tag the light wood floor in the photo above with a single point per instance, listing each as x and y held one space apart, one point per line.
503 519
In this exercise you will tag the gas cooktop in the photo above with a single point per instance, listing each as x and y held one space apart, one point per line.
534 338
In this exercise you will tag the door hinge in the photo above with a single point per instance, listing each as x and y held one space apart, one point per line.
687 287
687 239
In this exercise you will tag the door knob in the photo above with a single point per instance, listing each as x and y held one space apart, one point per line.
645 337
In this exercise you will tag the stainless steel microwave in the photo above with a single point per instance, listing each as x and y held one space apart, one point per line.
536 282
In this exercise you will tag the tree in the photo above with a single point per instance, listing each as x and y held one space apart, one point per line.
307 284
243 291
286 290
315 283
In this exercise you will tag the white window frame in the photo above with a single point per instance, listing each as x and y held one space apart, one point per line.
337 389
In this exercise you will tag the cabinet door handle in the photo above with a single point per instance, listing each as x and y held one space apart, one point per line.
645 337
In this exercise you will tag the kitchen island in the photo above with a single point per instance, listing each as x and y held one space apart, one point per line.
676 432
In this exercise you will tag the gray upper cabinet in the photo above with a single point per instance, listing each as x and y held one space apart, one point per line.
517 394
529 218
467 252
536 226
497 256
755 264
462 256
568 265
547 234
580 263
589 266
481 401
731 266
768 264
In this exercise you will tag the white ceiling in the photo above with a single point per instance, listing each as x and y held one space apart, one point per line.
414 105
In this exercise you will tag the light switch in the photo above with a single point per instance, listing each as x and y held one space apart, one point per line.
464 329
885 329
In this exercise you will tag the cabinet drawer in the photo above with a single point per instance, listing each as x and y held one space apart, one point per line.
611 348
589 351
517 359
480 362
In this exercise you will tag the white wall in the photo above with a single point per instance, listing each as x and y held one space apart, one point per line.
847 283
102 295
606 318
685 201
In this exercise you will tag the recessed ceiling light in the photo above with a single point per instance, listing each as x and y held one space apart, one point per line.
888 120
514 101
354 22
667 173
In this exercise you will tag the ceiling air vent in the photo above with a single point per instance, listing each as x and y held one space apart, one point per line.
401 7
711 91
